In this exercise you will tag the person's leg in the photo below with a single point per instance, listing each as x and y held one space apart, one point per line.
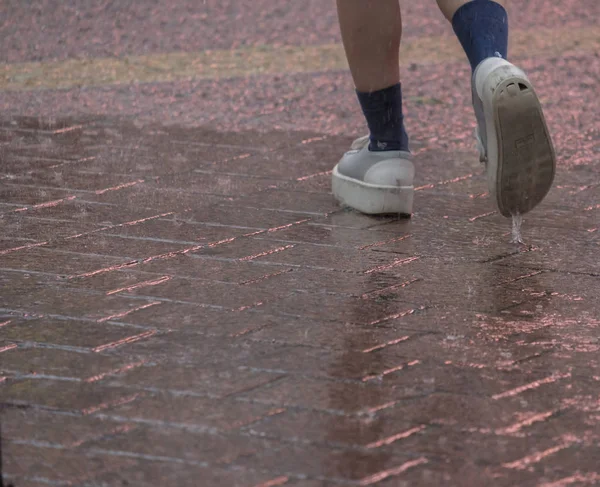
481 27
376 176
371 32
512 133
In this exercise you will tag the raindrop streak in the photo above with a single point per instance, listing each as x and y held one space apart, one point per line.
517 221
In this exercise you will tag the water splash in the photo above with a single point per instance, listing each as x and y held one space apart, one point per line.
517 221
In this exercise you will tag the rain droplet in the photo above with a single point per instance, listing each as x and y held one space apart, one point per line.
517 221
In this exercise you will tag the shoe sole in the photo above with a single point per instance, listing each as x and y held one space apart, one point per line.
372 199
526 161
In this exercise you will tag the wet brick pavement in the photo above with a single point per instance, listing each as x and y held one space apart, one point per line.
183 302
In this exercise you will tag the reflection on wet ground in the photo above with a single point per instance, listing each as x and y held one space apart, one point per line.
182 303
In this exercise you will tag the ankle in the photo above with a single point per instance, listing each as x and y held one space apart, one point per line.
482 29
383 113
450 7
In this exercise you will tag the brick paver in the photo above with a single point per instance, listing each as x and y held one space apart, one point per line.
185 305
246 339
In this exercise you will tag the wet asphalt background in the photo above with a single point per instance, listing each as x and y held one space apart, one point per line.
182 301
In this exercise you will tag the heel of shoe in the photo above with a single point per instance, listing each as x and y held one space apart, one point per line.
491 72
372 199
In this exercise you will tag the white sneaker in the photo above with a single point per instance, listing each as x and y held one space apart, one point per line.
374 182
512 136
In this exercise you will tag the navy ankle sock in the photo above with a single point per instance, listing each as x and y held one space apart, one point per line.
383 111
482 28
